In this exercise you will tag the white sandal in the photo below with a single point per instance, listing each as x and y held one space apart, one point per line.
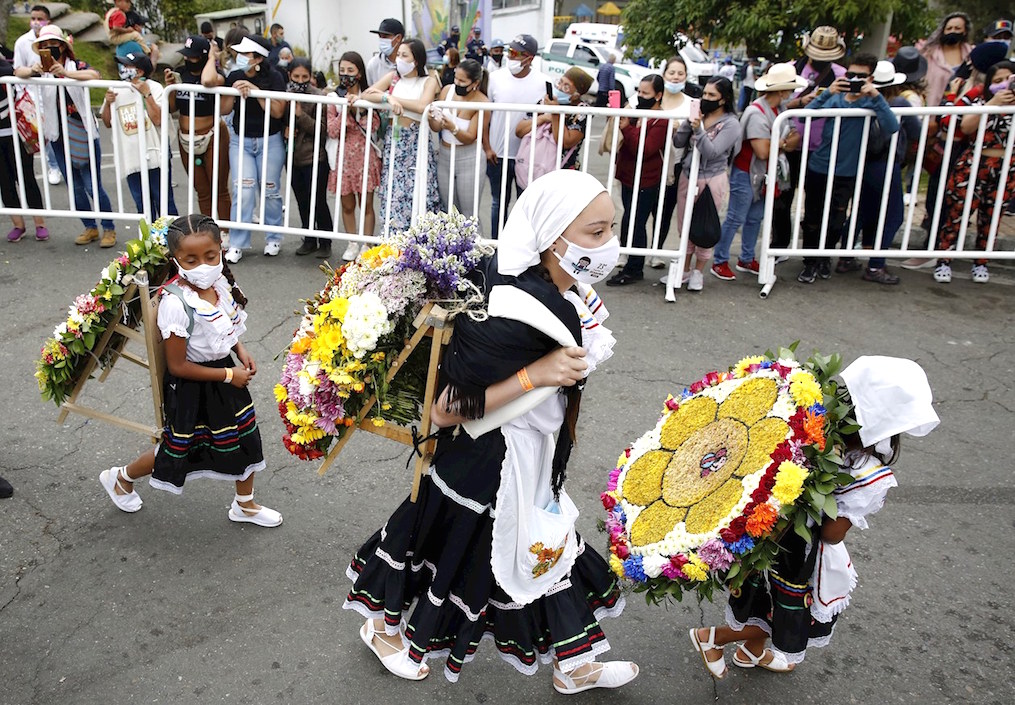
397 662
717 669
130 501
778 664
263 517
611 674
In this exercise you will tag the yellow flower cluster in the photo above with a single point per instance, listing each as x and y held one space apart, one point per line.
805 389
695 568
307 432
375 256
789 482
740 369
617 566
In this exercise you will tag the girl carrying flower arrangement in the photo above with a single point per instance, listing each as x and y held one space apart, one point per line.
798 601
210 430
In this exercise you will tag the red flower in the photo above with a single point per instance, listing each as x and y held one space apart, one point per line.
608 500
739 525
679 561
768 481
749 508
729 535
783 371
672 404
781 453
760 495
621 550
697 387
627 452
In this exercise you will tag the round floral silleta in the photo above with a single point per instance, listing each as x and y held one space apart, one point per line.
712 477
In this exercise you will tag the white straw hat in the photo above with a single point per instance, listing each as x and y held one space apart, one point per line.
780 77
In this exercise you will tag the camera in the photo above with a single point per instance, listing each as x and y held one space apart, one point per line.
855 85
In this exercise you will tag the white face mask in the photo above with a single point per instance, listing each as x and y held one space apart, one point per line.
404 67
203 275
385 46
514 66
589 266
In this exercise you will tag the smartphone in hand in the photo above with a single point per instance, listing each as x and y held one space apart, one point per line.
695 108
549 90
46 59
613 99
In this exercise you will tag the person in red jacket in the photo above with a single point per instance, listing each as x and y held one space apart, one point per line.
650 95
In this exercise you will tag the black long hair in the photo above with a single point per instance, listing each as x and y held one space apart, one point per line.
418 51
186 225
725 88
354 58
475 71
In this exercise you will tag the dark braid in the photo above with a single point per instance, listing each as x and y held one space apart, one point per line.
186 225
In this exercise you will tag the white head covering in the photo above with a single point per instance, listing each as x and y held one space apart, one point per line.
542 213
891 395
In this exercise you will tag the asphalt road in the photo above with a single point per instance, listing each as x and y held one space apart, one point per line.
177 604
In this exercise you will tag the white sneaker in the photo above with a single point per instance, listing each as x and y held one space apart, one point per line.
54 176
351 252
943 274
980 274
696 281
272 249
234 255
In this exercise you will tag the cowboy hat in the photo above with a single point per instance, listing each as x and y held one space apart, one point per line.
910 61
885 75
825 44
780 77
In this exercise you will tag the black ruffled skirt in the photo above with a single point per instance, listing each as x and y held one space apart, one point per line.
211 431
430 565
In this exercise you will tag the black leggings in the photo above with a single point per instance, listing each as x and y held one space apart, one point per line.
301 182
9 177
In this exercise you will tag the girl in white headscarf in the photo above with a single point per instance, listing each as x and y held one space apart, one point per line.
489 549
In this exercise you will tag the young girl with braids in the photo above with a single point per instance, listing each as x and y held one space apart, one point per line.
210 427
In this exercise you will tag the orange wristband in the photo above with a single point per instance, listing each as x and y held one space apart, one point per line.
523 377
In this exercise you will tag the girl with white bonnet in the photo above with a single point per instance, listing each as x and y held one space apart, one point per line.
489 550
797 603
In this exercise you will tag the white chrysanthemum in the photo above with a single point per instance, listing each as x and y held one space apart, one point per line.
365 323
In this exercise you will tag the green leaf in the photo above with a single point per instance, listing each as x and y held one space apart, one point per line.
831 508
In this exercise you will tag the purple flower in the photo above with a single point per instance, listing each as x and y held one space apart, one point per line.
715 554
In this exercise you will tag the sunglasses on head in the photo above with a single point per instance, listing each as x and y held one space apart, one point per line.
851 75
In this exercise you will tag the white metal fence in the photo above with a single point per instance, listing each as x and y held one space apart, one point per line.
601 162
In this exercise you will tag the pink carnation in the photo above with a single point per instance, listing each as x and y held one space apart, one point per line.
715 555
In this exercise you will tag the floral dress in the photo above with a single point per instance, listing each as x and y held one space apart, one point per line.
355 145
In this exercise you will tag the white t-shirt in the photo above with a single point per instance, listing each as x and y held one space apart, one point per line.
123 113
217 328
749 77
504 87
728 71
378 67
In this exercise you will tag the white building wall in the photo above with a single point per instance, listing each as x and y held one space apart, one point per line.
337 26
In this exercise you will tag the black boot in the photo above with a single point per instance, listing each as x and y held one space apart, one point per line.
6 490
308 245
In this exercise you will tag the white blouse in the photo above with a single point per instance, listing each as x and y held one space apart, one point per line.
217 327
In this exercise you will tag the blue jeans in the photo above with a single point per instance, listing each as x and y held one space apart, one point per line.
83 185
51 157
154 191
493 172
744 212
247 186
870 208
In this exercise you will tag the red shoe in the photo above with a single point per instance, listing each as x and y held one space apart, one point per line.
723 271
751 267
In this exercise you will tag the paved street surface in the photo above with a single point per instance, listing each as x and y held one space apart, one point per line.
175 604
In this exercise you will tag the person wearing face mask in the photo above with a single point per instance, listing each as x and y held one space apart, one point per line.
120 112
475 49
946 49
519 84
250 154
25 57
361 152
451 41
407 91
285 59
277 54
199 135
460 127
301 142
570 89
750 168
717 136
649 95
449 62
999 91
389 37
84 164
495 60
508 384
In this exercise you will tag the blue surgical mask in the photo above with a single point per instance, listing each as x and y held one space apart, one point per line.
385 46
242 62
675 88
562 97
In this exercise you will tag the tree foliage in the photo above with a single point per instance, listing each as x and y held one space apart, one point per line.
170 19
769 28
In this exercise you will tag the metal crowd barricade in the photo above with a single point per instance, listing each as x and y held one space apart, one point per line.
767 254
319 105
36 86
589 160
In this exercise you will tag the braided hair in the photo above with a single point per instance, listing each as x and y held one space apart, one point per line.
186 225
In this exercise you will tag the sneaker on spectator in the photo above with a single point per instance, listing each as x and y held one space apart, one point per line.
351 252
808 274
943 273
697 281
658 262
41 233
751 267
722 271
15 235
54 176
272 249
825 269
683 280
980 274
881 276
234 255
